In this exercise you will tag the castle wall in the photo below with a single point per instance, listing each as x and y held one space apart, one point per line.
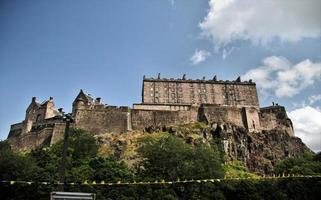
15 130
220 114
167 107
104 120
197 92
31 140
57 132
251 119
165 102
142 119
275 117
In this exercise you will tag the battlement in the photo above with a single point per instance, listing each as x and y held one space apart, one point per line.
203 80
273 108
85 101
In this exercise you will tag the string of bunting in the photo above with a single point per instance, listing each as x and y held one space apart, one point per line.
156 182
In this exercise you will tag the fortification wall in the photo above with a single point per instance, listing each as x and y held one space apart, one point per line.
142 119
251 118
100 121
275 117
15 129
57 132
221 114
31 140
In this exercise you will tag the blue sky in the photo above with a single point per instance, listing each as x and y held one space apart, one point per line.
55 48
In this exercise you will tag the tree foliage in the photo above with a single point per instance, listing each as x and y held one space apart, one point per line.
163 156
308 164
171 158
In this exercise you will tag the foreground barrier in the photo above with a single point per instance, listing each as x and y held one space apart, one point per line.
156 182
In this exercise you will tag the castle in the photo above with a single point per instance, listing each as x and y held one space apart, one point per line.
165 102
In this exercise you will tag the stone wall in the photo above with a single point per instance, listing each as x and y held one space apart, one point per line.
31 140
251 119
142 119
98 121
15 129
275 117
46 132
57 132
221 114
165 102
197 92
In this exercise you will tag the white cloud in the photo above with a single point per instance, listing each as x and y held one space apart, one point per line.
199 56
314 98
261 21
279 76
307 126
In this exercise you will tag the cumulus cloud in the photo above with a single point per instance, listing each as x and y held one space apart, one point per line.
279 76
307 126
261 21
199 56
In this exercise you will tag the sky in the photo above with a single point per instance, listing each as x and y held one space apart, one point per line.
55 48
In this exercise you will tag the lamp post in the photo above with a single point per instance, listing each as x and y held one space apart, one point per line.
67 118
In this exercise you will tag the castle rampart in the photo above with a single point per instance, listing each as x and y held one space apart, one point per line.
165 102
275 117
98 118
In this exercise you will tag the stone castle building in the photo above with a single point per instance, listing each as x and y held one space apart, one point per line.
165 102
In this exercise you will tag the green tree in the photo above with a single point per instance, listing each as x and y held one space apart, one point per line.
14 165
307 164
171 158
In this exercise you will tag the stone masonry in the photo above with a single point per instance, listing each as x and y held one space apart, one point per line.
165 102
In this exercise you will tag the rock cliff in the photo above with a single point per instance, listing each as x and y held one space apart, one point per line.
260 151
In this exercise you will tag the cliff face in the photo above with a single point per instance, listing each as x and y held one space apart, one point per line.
259 150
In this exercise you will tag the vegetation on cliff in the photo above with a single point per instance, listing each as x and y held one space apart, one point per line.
171 156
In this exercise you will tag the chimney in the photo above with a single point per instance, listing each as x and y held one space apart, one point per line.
60 110
158 76
50 98
98 99
33 99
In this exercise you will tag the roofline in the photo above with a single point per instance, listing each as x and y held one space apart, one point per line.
198 81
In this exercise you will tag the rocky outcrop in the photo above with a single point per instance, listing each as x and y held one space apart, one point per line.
259 150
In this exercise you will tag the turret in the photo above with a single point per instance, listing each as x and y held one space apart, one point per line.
82 100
